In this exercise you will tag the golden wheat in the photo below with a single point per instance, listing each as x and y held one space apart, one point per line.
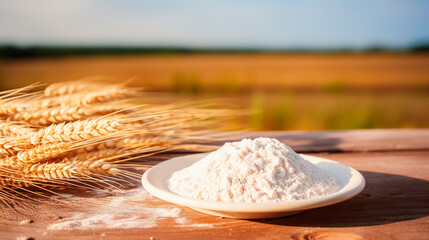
14 129
8 181
87 98
65 88
42 152
61 114
10 146
67 169
12 178
138 142
48 170
78 134
7 108
8 161
75 131
97 154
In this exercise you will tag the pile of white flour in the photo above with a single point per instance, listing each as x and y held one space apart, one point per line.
259 170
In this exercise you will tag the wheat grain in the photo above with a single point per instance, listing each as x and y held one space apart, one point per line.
68 169
106 95
75 131
8 108
43 152
97 166
11 104
66 136
61 114
65 88
10 146
89 97
6 181
49 170
9 161
80 134
15 129
10 177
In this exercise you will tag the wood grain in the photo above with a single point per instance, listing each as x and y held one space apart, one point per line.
394 204
341 141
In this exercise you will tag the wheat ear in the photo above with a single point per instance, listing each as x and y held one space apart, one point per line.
87 98
61 114
14 129
8 108
68 169
75 131
65 88
10 146
43 152
8 161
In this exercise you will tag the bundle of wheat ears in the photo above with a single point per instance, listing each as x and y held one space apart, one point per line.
79 134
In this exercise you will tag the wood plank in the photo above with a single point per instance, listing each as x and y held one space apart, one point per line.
368 140
394 205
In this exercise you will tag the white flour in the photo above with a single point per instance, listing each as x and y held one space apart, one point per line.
124 210
259 170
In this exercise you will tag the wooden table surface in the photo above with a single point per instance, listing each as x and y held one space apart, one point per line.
393 205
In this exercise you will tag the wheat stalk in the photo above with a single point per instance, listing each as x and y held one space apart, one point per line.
78 134
105 154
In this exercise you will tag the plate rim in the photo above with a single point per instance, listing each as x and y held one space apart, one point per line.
284 206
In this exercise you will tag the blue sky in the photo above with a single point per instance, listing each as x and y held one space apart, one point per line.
221 23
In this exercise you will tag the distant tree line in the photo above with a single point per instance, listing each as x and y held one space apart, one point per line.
16 52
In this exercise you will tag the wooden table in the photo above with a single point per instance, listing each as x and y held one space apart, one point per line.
394 204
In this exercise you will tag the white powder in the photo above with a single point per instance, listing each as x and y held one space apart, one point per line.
199 225
127 209
26 221
259 170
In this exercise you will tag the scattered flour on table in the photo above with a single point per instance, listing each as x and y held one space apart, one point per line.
259 170
26 221
185 223
199 225
127 209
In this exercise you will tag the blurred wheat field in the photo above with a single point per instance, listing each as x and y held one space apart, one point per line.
242 70
286 91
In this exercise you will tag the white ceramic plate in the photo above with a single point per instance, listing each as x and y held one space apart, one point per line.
350 181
